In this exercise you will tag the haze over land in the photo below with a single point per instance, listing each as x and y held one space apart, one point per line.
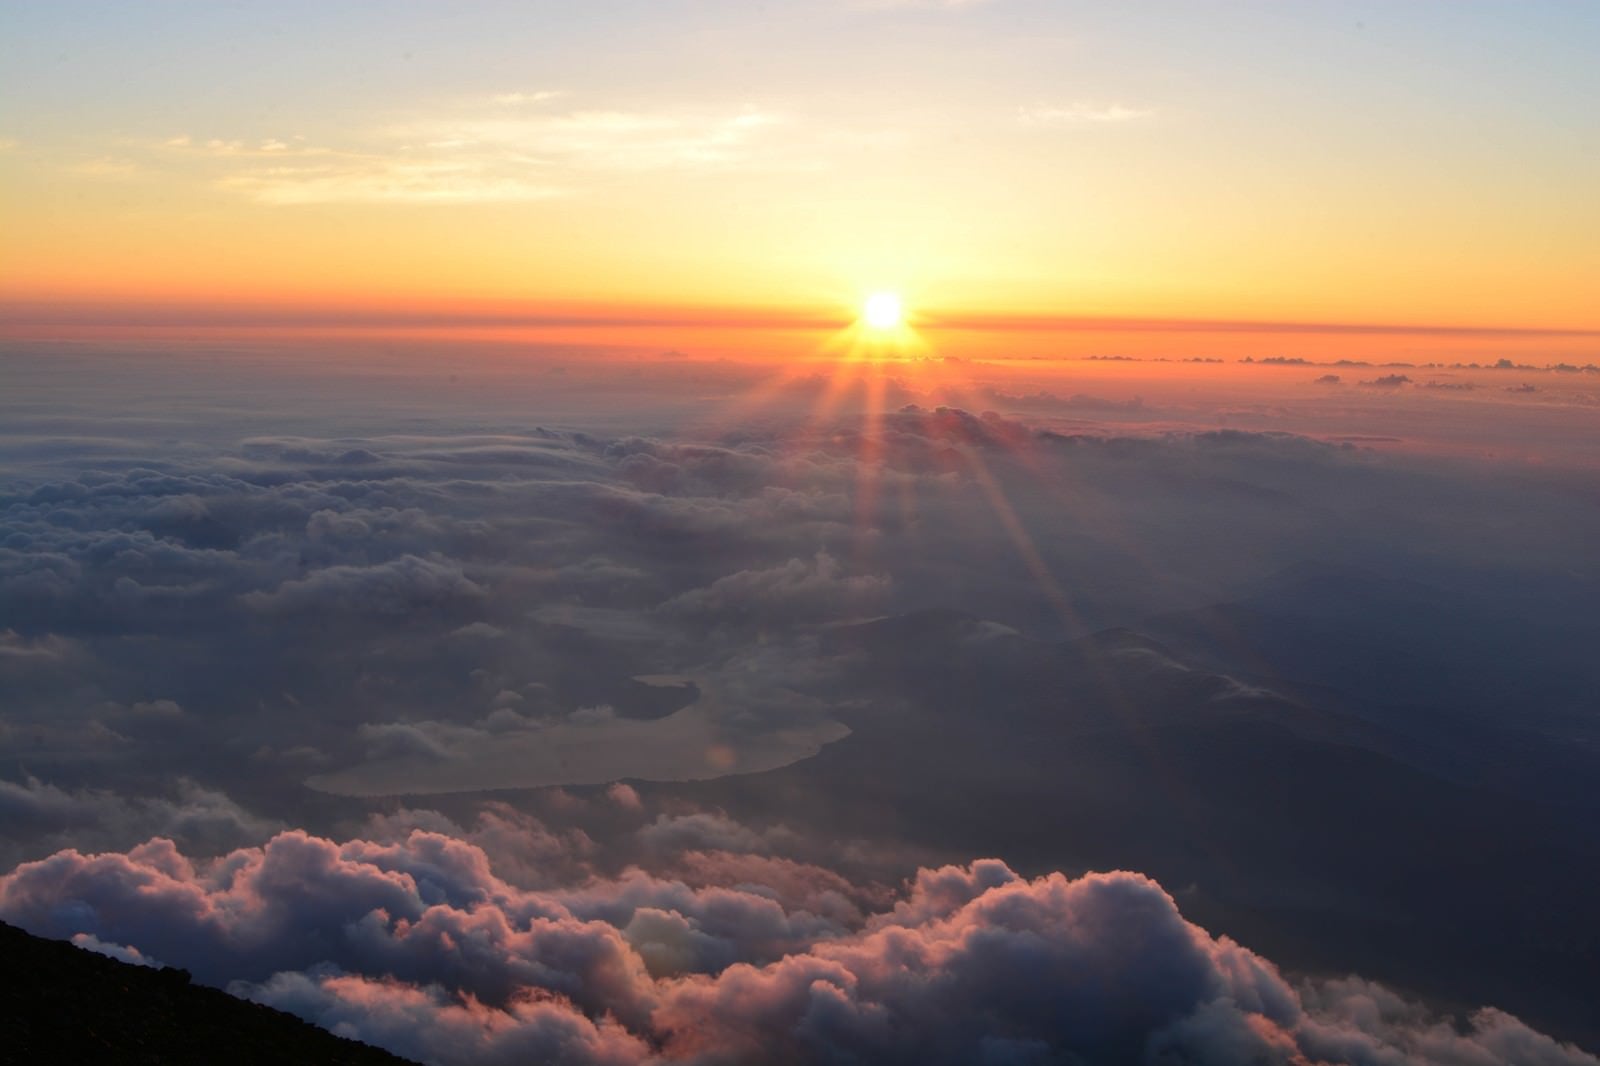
860 532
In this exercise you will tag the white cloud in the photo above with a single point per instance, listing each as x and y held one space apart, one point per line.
499 154
379 180
543 96
1080 114
109 168
601 139
925 5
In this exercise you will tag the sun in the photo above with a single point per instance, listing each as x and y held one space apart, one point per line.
883 310
884 330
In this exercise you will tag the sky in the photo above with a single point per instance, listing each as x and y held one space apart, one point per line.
1313 163
484 569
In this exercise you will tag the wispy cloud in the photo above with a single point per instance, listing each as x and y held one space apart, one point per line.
935 5
108 168
384 180
503 148
601 139
1080 113
518 99
217 146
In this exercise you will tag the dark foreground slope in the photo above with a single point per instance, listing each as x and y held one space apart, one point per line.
60 1003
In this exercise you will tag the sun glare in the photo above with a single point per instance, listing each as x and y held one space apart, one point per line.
882 310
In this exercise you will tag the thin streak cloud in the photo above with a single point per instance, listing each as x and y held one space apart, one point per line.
486 157
1056 116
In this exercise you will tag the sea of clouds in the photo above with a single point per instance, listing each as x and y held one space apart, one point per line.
272 629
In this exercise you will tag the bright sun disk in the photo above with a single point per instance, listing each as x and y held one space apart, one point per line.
882 310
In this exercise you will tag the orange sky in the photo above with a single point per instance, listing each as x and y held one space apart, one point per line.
711 164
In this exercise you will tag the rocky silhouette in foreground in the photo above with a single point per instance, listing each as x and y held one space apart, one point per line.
63 1003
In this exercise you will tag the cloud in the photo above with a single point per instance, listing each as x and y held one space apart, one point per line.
1082 113
43 816
523 850
930 5
156 708
624 796
17 652
403 584
418 947
376 180
120 952
424 597
729 728
516 150
670 834
431 1025
795 885
1042 400
516 99
797 591
109 168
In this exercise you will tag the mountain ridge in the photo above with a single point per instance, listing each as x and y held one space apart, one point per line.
64 1003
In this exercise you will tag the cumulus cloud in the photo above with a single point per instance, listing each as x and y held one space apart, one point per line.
624 796
797 591
705 829
524 851
430 1024
794 884
120 952
406 583
42 816
419 947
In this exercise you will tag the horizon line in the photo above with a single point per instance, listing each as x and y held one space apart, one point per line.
39 313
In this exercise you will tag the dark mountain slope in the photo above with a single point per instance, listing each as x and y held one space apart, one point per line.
64 1004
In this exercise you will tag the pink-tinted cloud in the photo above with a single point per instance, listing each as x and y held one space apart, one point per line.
624 796
417 945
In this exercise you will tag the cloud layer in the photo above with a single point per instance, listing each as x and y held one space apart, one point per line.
882 638
418 946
